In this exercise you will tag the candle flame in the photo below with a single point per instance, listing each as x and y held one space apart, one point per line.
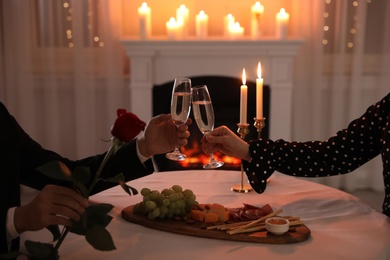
201 13
259 70
183 7
144 5
282 11
243 77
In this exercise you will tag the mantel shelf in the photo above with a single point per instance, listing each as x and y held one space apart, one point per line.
216 46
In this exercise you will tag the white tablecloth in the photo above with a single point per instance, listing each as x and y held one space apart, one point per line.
342 226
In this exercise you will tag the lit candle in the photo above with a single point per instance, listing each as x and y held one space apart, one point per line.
172 29
282 24
236 31
182 14
259 93
144 13
244 98
201 25
257 11
228 22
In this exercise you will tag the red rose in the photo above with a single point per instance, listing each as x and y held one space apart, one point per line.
127 126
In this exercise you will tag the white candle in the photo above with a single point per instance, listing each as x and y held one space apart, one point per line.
145 23
228 22
182 14
202 25
257 11
243 100
259 93
282 24
172 29
236 31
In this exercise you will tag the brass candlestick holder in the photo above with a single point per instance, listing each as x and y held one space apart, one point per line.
243 130
259 124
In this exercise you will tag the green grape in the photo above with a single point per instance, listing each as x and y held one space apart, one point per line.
188 193
164 210
145 191
160 199
166 202
167 192
180 204
177 188
154 195
172 205
173 197
150 215
169 203
192 197
146 198
156 212
180 196
150 205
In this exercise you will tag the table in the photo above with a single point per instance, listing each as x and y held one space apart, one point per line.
342 226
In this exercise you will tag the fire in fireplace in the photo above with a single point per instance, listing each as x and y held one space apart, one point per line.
225 96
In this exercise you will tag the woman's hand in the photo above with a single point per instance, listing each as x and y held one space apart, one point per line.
224 140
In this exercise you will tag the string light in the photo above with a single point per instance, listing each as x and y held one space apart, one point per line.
96 39
326 26
68 20
351 23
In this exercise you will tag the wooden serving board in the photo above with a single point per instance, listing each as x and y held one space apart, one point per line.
297 234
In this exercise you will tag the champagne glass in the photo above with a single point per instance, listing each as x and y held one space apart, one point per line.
180 110
204 117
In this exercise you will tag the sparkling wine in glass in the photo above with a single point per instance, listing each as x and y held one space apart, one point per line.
204 117
180 110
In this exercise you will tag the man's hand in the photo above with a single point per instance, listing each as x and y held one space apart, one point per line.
54 205
162 135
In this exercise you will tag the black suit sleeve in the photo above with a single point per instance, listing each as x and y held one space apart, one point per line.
20 155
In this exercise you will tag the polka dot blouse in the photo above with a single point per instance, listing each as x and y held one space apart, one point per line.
364 139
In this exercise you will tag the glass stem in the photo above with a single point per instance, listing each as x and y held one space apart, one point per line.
212 157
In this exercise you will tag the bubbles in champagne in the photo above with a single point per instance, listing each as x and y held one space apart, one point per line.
204 115
180 106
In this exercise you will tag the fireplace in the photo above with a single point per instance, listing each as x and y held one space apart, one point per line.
158 61
224 95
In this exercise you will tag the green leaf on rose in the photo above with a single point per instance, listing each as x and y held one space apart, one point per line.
116 179
55 231
99 238
56 170
97 214
119 178
40 250
94 215
81 174
128 189
10 255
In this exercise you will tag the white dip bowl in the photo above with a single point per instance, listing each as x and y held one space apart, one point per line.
277 225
